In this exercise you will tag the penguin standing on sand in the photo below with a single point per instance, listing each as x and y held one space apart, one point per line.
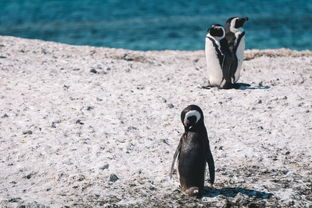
235 36
219 58
193 152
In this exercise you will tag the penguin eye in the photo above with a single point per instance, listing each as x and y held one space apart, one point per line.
192 119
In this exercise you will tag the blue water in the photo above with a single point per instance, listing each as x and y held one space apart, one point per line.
156 24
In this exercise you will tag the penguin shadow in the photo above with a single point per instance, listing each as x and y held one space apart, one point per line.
245 86
242 86
232 192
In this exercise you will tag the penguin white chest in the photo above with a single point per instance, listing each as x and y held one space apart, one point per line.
214 69
240 57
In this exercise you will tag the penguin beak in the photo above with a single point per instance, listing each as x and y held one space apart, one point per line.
189 122
245 19
240 22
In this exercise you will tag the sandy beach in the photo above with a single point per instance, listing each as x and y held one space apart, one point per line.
87 126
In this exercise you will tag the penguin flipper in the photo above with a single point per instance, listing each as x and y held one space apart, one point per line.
177 152
226 71
209 160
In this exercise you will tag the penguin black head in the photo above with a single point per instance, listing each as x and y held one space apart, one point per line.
192 117
216 31
235 23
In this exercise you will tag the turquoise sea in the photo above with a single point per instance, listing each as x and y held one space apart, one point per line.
157 24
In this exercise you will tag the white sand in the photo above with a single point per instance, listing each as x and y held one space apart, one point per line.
65 131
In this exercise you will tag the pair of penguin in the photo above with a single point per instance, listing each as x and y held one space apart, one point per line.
224 54
224 49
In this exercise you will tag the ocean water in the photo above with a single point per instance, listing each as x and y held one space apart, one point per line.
157 24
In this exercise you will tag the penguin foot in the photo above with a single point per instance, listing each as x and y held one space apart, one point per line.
194 192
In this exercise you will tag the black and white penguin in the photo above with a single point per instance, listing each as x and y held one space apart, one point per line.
235 36
218 57
193 152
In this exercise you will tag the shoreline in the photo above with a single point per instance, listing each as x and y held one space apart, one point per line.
249 53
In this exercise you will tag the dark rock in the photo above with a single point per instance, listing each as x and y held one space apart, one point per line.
5 116
28 176
66 87
27 132
12 200
170 106
81 178
113 178
106 166
132 128
127 57
79 122
93 71
90 108
166 141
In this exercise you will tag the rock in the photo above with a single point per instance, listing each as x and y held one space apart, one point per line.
5 116
170 106
90 108
113 178
79 122
80 177
93 71
12 200
28 176
27 132
106 166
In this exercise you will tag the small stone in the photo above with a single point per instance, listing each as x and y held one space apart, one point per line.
14 200
132 128
27 132
260 84
259 101
165 141
106 166
5 116
28 176
93 71
113 178
90 108
79 122
170 106
81 178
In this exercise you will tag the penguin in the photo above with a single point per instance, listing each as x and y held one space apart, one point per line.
218 57
193 152
235 36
